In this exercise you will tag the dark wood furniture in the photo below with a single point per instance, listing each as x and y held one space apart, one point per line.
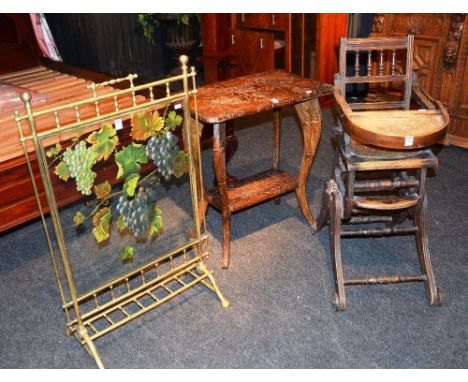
227 100
245 43
61 83
378 176
440 60
17 202
18 48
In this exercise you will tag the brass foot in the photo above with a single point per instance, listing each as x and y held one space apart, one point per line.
202 268
88 344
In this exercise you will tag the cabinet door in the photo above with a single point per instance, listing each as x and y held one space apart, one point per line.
253 51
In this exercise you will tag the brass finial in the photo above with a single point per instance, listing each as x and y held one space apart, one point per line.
183 59
26 97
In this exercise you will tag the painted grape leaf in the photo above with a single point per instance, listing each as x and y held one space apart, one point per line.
103 141
172 121
127 253
120 224
130 184
181 164
146 125
79 218
62 171
129 159
156 222
102 190
54 150
101 222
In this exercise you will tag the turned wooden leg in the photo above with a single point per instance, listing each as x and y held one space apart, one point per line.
226 216
219 162
310 117
335 213
276 144
422 244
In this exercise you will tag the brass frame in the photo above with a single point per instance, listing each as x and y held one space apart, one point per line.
109 304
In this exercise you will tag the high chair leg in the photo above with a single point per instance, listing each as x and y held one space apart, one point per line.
433 293
335 203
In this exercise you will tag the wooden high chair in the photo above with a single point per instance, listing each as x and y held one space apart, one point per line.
381 159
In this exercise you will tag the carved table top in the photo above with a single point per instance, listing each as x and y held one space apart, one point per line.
246 95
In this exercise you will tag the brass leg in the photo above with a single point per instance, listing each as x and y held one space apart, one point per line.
83 337
336 212
433 293
202 268
310 117
196 132
276 144
219 161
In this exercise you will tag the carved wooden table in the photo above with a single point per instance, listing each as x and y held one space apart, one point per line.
243 96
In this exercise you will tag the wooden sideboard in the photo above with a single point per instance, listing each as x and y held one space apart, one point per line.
440 60
246 43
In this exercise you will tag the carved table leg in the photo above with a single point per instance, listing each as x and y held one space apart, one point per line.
310 117
219 162
276 143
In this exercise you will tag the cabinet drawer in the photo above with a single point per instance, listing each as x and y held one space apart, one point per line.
262 20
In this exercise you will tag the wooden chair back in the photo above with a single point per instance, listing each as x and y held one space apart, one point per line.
382 65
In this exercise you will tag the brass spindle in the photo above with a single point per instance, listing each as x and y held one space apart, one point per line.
96 102
171 263
57 121
393 61
128 284
130 78
77 114
168 90
143 280
111 288
369 63
153 296
96 301
124 312
157 271
381 62
151 93
356 64
116 103
109 319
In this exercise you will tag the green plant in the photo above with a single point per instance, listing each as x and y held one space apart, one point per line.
135 211
150 21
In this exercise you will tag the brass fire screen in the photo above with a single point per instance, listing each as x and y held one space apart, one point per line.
132 198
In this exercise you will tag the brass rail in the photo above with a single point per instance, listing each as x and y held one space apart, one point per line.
89 316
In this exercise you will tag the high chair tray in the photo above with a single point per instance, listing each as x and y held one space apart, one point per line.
395 129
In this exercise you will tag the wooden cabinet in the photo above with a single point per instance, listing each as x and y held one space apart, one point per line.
252 50
440 60
245 43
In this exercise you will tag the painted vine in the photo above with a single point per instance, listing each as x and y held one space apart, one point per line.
132 208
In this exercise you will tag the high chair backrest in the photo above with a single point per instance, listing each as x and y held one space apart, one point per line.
387 60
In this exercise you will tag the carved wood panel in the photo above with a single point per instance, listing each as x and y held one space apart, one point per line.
425 61
418 24
440 60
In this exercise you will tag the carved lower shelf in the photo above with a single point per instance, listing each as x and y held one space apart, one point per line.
254 189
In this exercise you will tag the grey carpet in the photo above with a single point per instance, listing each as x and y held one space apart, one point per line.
280 284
